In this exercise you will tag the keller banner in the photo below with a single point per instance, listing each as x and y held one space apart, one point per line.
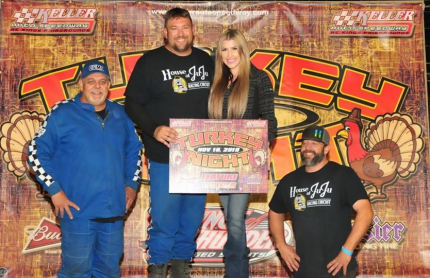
356 68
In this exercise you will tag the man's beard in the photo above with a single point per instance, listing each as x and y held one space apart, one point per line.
318 157
186 47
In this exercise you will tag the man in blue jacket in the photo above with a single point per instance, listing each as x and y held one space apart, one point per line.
87 155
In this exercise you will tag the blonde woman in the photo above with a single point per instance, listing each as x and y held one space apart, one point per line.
239 91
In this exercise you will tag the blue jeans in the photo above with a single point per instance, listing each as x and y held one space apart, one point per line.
91 249
235 249
175 219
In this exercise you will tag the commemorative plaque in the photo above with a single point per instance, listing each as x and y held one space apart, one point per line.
219 156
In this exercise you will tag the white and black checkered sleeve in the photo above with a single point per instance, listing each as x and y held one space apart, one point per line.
40 151
133 158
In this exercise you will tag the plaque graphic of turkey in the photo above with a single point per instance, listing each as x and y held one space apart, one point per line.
16 135
388 149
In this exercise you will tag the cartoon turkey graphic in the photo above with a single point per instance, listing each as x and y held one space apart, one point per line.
392 148
257 158
16 135
178 157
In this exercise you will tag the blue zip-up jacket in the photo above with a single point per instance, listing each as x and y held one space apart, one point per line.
92 160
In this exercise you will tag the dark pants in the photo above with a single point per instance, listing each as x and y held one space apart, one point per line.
350 274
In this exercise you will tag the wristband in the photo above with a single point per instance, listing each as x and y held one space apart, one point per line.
346 251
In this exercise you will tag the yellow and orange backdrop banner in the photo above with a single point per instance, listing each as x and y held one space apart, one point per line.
358 69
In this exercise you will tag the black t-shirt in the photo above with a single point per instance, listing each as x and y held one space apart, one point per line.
170 86
320 204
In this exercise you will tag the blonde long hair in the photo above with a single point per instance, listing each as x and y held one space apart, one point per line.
238 98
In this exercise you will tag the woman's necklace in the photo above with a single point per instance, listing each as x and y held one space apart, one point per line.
231 82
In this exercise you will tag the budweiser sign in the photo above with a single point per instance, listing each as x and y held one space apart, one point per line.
45 236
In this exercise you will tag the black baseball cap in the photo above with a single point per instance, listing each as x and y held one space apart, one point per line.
315 133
